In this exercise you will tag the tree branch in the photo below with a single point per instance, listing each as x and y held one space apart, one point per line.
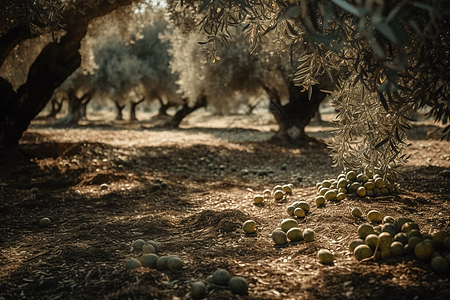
11 39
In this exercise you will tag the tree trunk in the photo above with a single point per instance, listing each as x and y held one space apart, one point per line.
84 103
83 110
55 63
164 107
119 116
74 113
297 112
133 109
185 110
8 98
56 107
77 108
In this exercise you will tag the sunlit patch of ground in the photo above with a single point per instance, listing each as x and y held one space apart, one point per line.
213 169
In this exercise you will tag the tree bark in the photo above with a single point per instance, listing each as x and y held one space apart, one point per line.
297 112
56 107
164 107
74 112
133 109
77 108
119 116
83 110
8 97
185 110
84 103
55 63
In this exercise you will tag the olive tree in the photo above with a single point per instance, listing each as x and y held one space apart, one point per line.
396 55
118 70
78 90
22 23
220 74
210 82
158 81
292 106
135 66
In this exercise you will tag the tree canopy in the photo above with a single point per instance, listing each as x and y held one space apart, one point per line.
396 54
219 80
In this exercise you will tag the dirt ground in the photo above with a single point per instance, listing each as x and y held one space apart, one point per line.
212 166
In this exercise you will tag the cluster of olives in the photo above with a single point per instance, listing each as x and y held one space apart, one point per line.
279 192
159 184
289 230
150 259
363 184
400 236
298 209
222 278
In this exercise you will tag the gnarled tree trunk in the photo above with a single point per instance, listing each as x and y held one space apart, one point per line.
84 103
77 107
297 113
56 107
133 109
8 98
185 110
119 116
164 107
55 63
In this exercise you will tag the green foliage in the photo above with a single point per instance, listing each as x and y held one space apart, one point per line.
39 15
396 54
152 49
119 70
137 62
367 137
232 70
79 81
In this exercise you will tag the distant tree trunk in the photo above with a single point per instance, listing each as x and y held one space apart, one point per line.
84 104
185 110
77 107
164 107
119 116
252 107
297 112
56 107
133 109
